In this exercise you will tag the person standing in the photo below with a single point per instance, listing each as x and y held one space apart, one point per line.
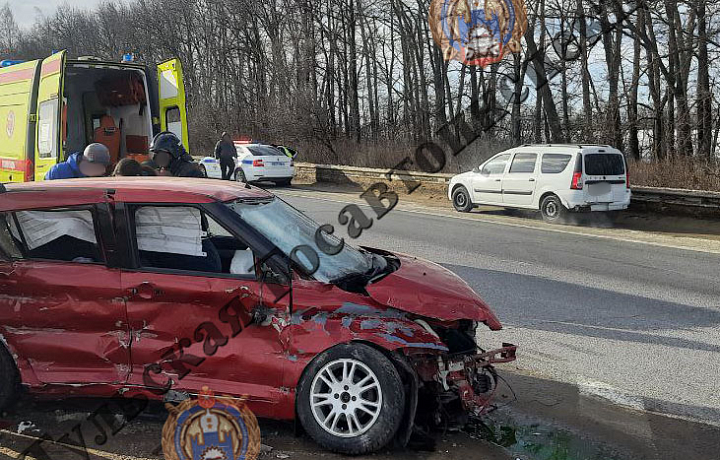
226 153
92 162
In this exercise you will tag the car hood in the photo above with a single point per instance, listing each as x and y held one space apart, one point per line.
426 289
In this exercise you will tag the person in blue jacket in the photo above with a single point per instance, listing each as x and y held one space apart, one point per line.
92 162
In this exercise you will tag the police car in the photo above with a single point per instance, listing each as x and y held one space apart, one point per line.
255 162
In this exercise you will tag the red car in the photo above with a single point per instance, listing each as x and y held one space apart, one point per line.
156 287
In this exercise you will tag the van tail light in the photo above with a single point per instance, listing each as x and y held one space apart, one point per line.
577 183
627 177
292 163
258 163
29 170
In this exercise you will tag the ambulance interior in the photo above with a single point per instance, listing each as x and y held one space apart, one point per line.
107 105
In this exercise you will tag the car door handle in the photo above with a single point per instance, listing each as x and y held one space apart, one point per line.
532 179
498 180
146 291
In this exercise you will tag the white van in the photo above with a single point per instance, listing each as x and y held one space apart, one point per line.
552 178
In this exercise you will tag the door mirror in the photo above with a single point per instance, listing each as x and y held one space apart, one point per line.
476 169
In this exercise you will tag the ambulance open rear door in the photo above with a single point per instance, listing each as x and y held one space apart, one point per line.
173 113
48 145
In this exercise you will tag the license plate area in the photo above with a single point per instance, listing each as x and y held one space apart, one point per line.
599 188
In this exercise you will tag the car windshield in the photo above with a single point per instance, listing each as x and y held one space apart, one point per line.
287 228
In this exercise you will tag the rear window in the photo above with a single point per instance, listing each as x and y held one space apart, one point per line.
554 163
263 150
604 164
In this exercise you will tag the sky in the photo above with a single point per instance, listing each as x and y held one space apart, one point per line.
25 11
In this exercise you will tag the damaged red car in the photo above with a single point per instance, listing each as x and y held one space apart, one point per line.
156 287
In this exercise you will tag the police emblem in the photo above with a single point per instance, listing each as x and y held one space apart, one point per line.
477 32
210 428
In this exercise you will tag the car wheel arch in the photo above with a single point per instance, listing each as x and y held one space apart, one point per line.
548 193
458 185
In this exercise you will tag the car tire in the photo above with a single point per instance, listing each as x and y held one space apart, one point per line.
363 421
552 210
283 182
461 200
240 176
203 171
9 380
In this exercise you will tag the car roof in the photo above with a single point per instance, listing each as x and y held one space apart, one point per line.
573 147
69 192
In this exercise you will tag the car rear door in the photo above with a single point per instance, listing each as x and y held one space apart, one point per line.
61 308
192 319
518 185
605 177
274 162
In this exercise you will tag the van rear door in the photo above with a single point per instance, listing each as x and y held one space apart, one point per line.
604 176
173 113
49 114
17 126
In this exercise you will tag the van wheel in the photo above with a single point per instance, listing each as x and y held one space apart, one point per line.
203 171
240 176
552 209
283 182
461 200
9 380
351 399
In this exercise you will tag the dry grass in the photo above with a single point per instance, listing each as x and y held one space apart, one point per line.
683 173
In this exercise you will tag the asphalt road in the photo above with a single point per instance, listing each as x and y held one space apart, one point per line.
638 324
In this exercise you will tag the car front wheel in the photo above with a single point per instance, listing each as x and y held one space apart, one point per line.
240 176
351 399
461 199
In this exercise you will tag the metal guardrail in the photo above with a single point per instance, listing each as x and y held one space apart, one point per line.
697 199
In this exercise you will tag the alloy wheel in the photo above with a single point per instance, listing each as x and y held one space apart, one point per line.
346 398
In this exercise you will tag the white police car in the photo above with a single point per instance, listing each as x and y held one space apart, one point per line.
255 162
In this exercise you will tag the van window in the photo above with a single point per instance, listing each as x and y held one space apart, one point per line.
554 163
47 128
604 164
66 235
174 122
523 163
496 165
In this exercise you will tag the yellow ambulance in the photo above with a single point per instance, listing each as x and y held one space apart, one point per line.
53 107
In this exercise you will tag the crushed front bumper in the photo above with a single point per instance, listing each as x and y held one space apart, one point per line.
465 381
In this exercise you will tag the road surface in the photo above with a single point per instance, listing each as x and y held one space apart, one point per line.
635 323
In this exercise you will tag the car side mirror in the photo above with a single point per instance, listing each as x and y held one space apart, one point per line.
476 169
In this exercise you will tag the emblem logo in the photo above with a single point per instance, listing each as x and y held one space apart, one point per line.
210 428
10 124
477 32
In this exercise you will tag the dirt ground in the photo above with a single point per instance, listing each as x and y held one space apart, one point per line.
537 419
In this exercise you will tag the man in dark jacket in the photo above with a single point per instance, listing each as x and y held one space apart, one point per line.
92 162
226 153
168 153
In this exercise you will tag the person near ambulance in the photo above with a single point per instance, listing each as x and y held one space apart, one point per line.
169 155
226 153
92 162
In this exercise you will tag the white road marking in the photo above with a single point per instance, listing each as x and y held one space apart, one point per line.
89 450
489 220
